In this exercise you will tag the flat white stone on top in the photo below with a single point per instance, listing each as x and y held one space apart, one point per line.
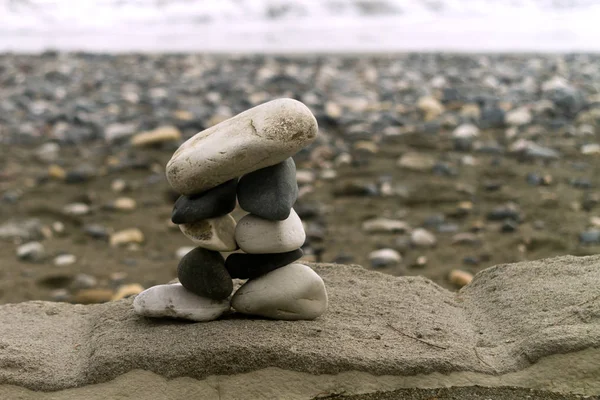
216 234
174 301
292 292
256 235
259 137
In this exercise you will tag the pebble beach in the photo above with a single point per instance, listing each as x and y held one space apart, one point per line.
438 165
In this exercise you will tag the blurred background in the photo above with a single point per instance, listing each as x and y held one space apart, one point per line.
299 25
454 135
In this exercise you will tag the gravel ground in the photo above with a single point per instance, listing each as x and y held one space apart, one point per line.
437 165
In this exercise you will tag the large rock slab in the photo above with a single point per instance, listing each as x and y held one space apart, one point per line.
531 324
257 138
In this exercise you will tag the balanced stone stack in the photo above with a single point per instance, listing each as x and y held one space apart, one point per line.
246 158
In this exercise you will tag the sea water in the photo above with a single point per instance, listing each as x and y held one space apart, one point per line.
300 26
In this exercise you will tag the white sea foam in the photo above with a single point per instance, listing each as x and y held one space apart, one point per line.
300 25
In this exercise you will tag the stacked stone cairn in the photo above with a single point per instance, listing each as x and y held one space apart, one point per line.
246 158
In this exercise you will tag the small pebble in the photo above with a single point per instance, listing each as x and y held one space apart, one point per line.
430 107
92 296
384 225
124 204
471 260
48 152
595 221
466 238
593 148
81 174
58 227
510 211
64 259
420 262
423 238
356 189
32 251
57 172
417 162
126 236
127 291
305 177
518 117
509 226
76 209
541 225
60 295
448 228
384 258
581 183
460 278
591 236
119 185
83 281
96 231
117 278
163 134
328 175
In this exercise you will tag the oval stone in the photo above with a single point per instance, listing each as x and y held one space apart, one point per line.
270 192
259 137
174 301
203 272
251 266
213 203
292 292
257 235
214 233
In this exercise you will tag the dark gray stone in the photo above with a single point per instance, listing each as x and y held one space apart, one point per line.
509 226
96 231
251 266
591 236
569 101
356 189
213 203
270 192
203 272
492 117
504 213
534 179
80 175
309 210
581 183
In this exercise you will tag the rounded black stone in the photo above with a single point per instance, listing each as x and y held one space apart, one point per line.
270 192
213 203
251 266
203 272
